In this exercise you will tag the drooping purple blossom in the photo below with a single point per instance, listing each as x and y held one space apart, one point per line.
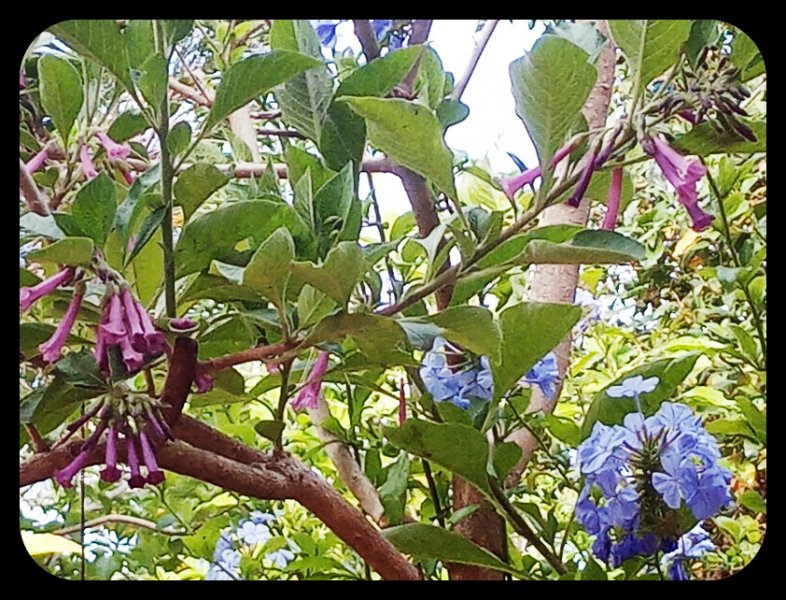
88 168
111 473
137 480
154 474
52 349
65 475
683 174
29 295
35 163
613 200
584 180
308 396
114 150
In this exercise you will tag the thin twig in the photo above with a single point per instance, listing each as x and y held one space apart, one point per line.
114 518
485 35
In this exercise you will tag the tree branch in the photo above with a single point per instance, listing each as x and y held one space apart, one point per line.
368 41
485 35
35 198
244 356
114 518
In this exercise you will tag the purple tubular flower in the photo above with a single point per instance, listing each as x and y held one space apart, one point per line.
87 163
52 349
308 396
136 480
113 326
584 181
37 161
683 174
511 185
605 152
182 323
111 473
131 358
155 426
204 383
29 295
64 476
154 474
154 340
613 200
113 149
136 332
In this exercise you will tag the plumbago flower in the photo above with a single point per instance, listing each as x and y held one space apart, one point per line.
681 173
455 383
246 537
135 417
642 476
694 544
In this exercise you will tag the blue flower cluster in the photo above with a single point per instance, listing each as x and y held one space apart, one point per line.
326 31
641 473
458 383
694 544
249 533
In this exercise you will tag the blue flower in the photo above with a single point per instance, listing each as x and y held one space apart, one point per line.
326 31
694 544
455 386
545 375
632 387
597 450
281 558
261 517
712 493
381 27
679 480
253 533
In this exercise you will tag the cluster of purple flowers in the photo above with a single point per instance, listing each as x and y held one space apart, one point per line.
639 476
250 532
135 417
460 380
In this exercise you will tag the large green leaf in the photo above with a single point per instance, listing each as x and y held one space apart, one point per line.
472 327
411 135
380 338
61 92
303 99
195 185
650 46
72 251
458 448
153 80
380 76
703 140
94 208
393 493
746 56
611 411
99 40
338 275
268 271
550 85
49 406
428 542
313 306
254 76
591 246
337 211
529 331
232 335
214 235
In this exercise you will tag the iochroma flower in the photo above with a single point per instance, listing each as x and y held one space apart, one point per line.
308 396
683 174
642 474
29 295
114 150
613 201
511 185
136 418
88 168
52 349
35 163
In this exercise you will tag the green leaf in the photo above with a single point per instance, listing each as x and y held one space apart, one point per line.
179 138
380 76
450 413
94 208
140 194
458 448
337 211
48 407
303 99
451 112
72 251
529 331
649 46
270 430
214 235
598 189
146 231
99 40
585 35
254 76
127 125
753 501
380 338
731 427
195 185
153 80
755 418
313 306
472 327
337 276
550 85
61 92
426 542
80 369
410 135
343 136
564 430
140 40
146 271
703 140
431 79
703 33
233 335
591 246
40 225
218 289
746 56
393 493
506 456
268 271
611 411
